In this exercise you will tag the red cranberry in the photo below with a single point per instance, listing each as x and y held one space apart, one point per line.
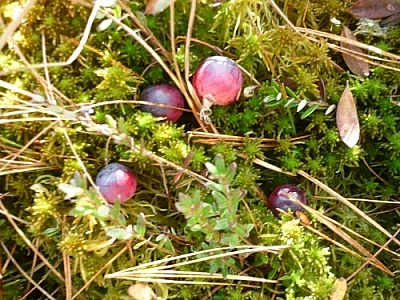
116 182
279 199
218 80
166 94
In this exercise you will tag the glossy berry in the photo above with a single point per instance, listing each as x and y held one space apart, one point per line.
217 81
279 199
116 181
166 94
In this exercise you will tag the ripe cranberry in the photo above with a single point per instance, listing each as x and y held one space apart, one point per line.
279 199
218 80
166 94
116 181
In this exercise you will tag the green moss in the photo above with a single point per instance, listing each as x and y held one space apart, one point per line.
37 155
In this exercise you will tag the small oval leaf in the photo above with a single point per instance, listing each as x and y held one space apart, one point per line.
373 9
339 289
330 109
154 7
301 105
347 119
357 65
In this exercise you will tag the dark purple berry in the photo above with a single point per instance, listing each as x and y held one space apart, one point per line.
116 182
279 199
166 94
218 79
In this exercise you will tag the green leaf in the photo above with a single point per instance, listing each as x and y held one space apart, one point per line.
111 122
269 98
120 233
140 227
103 211
275 85
272 273
222 224
188 205
243 230
260 259
215 186
273 103
51 231
70 191
220 164
234 240
231 172
235 196
291 103
290 92
207 210
196 227
211 168
308 111
219 198
81 211
114 212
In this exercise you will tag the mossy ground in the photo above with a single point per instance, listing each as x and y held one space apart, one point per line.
61 124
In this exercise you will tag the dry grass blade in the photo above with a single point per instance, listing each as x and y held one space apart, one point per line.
67 266
145 45
31 168
15 89
162 264
333 227
321 218
150 275
391 58
215 138
348 203
26 146
21 270
269 166
374 256
87 283
329 239
194 101
28 242
189 282
360 236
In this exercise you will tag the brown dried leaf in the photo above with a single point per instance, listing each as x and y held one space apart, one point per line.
356 65
392 20
141 291
347 119
339 289
374 9
154 7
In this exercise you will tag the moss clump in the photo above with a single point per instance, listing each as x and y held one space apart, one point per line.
71 120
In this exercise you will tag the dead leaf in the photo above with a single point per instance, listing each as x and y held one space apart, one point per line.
374 9
141 291
356 65
393 20
303 218
154 7
347 119
322 90
339 289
